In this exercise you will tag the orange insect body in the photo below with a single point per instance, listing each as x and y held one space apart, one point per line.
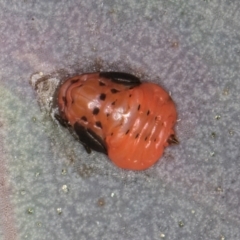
132 123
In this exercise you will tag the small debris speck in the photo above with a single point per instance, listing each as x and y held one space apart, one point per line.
64 171
231 132
162 235
175 44
217 117
30 211
213 134
225 91
219 189
39 224
65 188
180 224
59 211
212 154
22 192
101 202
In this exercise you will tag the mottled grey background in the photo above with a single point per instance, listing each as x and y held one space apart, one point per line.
51 189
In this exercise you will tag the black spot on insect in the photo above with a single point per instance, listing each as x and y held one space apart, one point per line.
98 124
113 90
74 80
84 118
127 131
107 114
145 139
102 83
95 111
155 118
102 96
155 140
139 107
137 135
65 100
130 95
111 133
148 112
113 103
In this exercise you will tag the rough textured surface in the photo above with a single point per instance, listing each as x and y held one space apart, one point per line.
51 189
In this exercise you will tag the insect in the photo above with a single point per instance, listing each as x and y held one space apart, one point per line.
115 114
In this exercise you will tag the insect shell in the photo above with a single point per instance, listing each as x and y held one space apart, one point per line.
114 113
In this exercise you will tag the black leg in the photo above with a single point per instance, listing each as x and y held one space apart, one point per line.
121 78
63 122
90 139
